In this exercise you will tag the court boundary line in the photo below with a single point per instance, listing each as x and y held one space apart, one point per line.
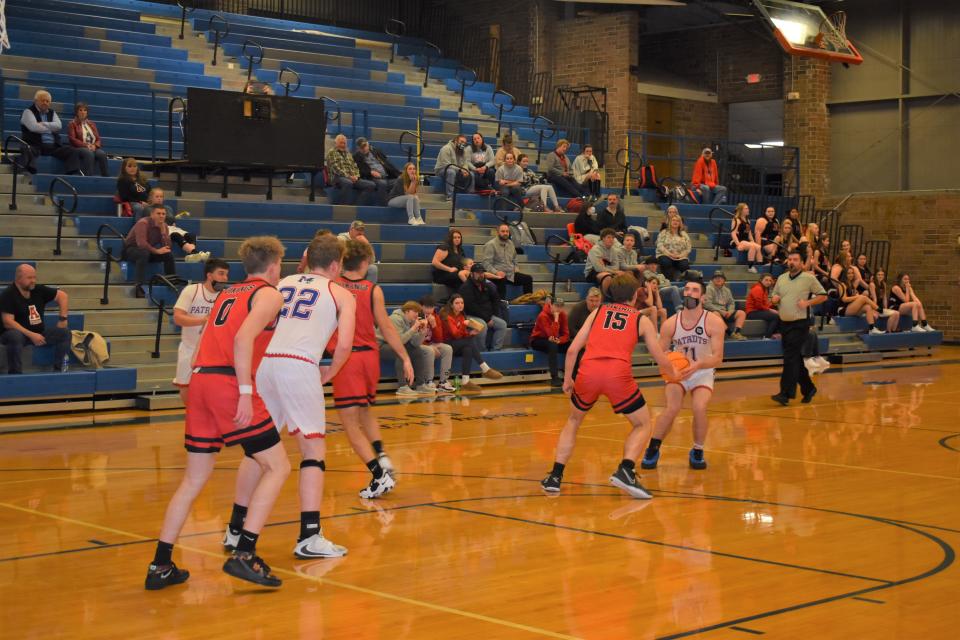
943 442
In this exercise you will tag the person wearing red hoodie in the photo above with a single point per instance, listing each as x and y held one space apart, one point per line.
458 332
760 307
706 179
551 336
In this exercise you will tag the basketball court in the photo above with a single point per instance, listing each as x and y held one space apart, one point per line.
838 519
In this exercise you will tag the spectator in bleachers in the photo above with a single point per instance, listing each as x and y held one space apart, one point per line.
256 88
866 275
648 303
796 225
673 249
821 262
706 179
534 185
765 232
509 179
482 303
904 299
786 239
483 162
343 170
668 213
582 310
882 299
84 136
551 335
460 174
450 267
603 260
375 167
149 241
22 305
719 299
178 236
461 333
611 216
629 258
760 305
741 237
358 231
556 167
412 329
506 146
586 225
669 294
809 246
132 187
854 303
404 194
586 171
499 258
842 265
435 340
40 128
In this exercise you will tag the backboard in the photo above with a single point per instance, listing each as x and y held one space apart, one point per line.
804 30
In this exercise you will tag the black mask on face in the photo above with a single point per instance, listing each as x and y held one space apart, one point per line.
220 286
690 302
461 146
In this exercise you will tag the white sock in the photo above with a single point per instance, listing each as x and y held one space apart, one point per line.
484 367
465 379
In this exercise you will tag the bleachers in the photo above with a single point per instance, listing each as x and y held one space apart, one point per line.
126 68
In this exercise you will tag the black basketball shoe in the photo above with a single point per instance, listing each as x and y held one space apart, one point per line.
160 576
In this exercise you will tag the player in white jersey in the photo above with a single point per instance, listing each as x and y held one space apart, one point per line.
698 335
190 313
290 380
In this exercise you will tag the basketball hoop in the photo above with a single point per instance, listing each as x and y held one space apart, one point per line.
833 32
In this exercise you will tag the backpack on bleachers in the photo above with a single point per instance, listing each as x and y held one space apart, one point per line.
521 234
647 178
534 203
575 205
673 191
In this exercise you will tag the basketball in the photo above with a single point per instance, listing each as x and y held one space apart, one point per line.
679 362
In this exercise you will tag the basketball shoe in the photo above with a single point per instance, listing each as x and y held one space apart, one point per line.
316 546
627 480
159 577
251 568
378 487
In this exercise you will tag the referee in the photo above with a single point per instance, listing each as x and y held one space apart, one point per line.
798 291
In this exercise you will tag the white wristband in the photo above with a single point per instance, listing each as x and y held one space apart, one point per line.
246 389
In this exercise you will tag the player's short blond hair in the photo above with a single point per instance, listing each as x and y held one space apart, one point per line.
259 252
324 251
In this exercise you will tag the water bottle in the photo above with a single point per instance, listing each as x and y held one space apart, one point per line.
569 285
65 363
456 384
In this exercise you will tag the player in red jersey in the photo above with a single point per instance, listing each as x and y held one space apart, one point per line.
355 386
609 336
223 408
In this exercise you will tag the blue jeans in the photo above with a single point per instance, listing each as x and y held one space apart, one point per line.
670 296
453 176
714 195
497 333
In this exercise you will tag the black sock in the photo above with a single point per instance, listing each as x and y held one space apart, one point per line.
736 330
164 554
654 444
248 542
309 524
558 469
237 517
375 468
377 446
629 465
923 323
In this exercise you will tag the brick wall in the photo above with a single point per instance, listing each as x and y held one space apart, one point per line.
806 121
922 229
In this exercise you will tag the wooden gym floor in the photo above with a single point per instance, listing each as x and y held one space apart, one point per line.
834 520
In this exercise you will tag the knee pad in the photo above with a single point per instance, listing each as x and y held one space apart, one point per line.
313 463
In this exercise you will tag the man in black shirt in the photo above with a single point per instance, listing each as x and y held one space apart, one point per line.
21 306
581 311
482 302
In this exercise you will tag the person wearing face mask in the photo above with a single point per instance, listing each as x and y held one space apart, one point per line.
698 335
798 291
453 163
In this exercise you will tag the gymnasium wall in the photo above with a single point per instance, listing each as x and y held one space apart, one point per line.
923 230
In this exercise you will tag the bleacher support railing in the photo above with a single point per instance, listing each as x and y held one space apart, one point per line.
507 101
162 310
430 49
331 117
253 56
878 254
395 28
59 202
457 188
630 162
464 75
109 258
558 250
542 124
286 85
727 215
412 151
183 106
185 8
15 164
219 32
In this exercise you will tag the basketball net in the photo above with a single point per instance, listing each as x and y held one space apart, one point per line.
833 32
4 40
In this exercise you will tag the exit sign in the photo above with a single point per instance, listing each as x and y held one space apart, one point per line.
753 78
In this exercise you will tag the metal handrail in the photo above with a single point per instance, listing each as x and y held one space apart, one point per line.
456 189
217 34
397 34
184 10
161 307
463 82
337 118
252 56
430 59
627 163
410 150
556 257
500 106
504 219
183 104
716 244
286 86
110 258
16 166
60 209
541 132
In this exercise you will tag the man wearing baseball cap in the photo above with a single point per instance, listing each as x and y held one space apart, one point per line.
706 179
358 231
719 299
